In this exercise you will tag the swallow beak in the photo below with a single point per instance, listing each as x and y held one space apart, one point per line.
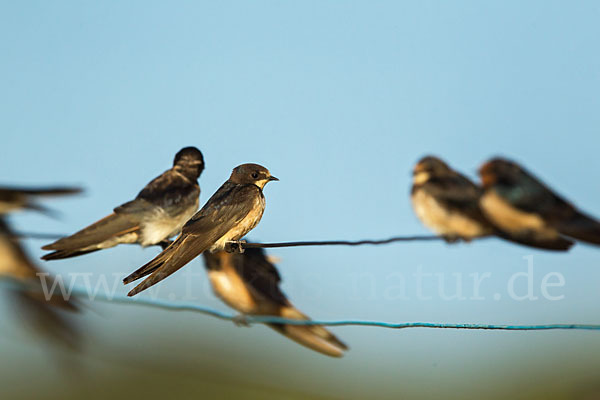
272 178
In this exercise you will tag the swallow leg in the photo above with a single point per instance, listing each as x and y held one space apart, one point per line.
164 243
241 320
235 246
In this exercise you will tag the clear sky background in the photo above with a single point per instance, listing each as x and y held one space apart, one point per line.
338 100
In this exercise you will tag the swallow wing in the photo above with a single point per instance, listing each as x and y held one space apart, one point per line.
533 196
167 191
260 274
93 237
457 193
223 211
529 194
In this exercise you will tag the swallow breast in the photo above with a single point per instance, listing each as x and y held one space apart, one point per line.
444 221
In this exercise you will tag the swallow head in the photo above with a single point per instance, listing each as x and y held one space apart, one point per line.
500 170
252 173
190 159
429 167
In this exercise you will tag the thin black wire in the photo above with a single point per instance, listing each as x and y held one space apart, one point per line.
343 242
415 238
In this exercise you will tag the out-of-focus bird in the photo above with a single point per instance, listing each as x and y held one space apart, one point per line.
233 211
43 310
447 202
15 198
156 214
518 203
249 283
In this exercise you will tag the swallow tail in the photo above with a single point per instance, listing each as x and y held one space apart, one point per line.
178 254
150 266
314 337
581 227
107 232
51 191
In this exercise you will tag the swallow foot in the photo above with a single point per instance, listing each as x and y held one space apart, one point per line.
164 243
450 239
241 320
235 246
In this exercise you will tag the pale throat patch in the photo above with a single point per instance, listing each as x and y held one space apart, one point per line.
261 184
421 177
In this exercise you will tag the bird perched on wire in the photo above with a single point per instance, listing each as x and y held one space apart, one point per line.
233 211
447 202
521 205
36 304
16 198
249 283
156 214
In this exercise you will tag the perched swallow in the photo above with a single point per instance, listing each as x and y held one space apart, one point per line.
233 211
157 213
447 202
15 198
249 283
44 314
517 203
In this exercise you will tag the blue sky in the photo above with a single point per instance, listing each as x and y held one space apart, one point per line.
338 100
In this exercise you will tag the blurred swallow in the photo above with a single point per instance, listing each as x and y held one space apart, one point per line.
233 211
157 213
45 314
16 198
249 283
519 204
447 202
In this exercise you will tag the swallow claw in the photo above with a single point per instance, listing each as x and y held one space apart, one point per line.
235 246
241 320
450 239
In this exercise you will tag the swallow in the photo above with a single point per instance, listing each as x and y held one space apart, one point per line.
157 213
519 204
17 198
233 211
43 313
249 283
447 202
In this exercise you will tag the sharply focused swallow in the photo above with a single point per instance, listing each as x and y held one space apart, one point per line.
44 313
447 202
233 211
519 204
15 198
156 214
249 283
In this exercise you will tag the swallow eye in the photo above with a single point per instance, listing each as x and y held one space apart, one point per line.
255 175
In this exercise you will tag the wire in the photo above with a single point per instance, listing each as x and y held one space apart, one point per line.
81 294
343 242
415 238
189 307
